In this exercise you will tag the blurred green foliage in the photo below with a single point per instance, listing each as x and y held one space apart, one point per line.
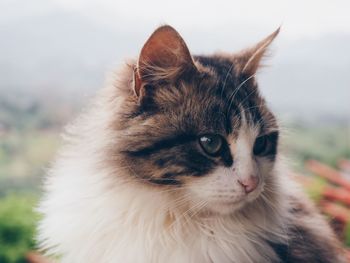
347 235
323 142
17 227
315 189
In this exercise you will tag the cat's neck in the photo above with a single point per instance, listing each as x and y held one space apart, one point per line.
265 217
146 218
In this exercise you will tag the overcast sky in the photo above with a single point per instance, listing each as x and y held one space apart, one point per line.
73 42
310 18
300 18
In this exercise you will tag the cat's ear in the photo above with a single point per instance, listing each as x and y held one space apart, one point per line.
164 57
249 60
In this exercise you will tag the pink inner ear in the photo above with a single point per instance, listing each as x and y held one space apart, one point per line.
163 50
164 56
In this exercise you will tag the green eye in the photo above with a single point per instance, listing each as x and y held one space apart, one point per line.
211 144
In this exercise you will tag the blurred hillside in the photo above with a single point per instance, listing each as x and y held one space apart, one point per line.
28 135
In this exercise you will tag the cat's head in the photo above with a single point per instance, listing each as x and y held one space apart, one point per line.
196 126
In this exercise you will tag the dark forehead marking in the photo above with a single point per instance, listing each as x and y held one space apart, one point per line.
238 92
226 83
224 72
222 66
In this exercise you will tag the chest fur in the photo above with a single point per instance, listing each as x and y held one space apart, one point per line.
193 243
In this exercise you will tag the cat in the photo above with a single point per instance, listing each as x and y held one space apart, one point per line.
178 160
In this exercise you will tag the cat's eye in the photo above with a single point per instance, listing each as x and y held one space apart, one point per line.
211 144
262 145
266 144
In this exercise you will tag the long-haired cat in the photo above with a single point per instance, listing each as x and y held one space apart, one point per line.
178 160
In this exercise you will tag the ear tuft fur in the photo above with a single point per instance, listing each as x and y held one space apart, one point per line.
250 59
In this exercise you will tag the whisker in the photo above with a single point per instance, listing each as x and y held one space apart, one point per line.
229 71
232 96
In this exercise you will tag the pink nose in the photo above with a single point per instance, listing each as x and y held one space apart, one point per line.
249 184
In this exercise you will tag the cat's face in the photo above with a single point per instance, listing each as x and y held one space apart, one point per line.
197 126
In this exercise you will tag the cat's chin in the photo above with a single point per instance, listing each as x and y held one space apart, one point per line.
226 208
229 207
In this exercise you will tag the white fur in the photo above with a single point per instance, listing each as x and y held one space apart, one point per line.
93 214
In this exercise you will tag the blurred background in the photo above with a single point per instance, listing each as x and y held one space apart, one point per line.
55 54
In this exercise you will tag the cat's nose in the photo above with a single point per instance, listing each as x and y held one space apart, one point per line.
249 184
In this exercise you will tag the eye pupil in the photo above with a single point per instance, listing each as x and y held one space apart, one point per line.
211 144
